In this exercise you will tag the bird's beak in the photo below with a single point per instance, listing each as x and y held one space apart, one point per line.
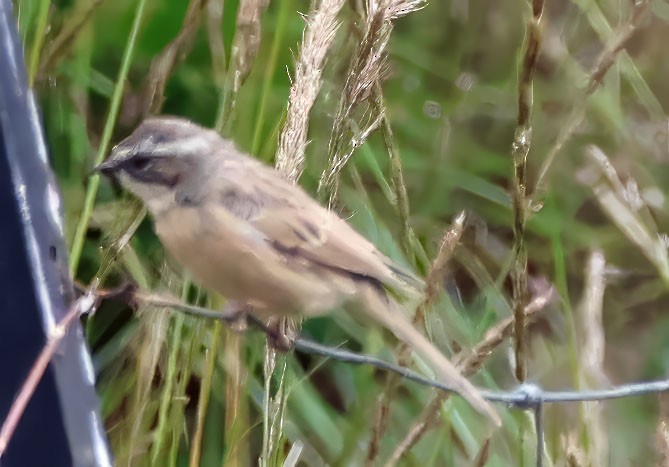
107 168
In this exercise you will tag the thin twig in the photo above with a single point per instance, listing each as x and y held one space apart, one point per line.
84 304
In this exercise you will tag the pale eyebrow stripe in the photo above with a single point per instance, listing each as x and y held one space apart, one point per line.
187 145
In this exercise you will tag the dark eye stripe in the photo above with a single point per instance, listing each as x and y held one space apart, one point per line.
147 169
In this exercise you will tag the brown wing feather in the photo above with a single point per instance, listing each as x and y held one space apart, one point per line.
296 223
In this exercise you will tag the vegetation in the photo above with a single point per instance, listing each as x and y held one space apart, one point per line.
415 119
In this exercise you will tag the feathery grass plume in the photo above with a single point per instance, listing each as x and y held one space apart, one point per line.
317 38
366 69
593 342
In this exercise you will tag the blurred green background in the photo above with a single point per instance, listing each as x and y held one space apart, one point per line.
451 97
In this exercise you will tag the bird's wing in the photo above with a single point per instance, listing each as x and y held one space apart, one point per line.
296 224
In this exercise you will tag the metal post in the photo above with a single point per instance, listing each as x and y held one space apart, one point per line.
62 424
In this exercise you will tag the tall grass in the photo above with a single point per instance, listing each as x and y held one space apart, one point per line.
403 115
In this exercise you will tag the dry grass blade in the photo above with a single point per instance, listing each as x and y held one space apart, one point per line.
615 200
203 397
520 149
236 403
468 364
472 361
66 38
163 64
245 46
483 454
213 20
592 356
401 200
294 454
662 432
433 286
306 83
247 39
574 454
437 272
603 64
147 347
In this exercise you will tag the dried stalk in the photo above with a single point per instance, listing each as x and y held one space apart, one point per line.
401 200
66 38
520 149
595 78
213 22
592 357
615 200
245 46
174 52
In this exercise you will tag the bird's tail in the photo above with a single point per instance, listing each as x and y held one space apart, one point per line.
387 312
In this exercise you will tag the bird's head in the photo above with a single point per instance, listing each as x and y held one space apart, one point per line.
162 154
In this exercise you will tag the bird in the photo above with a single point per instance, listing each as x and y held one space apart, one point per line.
245 231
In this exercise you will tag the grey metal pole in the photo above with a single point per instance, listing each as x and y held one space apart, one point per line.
62 424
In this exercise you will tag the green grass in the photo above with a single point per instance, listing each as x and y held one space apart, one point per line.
450 94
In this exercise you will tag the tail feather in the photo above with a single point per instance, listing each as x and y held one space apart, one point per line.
388 313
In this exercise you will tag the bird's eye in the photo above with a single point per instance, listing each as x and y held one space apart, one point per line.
140 162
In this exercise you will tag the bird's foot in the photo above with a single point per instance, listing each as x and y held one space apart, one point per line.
236 315
281 335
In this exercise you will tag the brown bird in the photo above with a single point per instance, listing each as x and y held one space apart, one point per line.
246 232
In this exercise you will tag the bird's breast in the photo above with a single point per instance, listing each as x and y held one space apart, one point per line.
228 255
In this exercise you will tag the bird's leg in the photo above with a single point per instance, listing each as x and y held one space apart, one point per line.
281 334
238 313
